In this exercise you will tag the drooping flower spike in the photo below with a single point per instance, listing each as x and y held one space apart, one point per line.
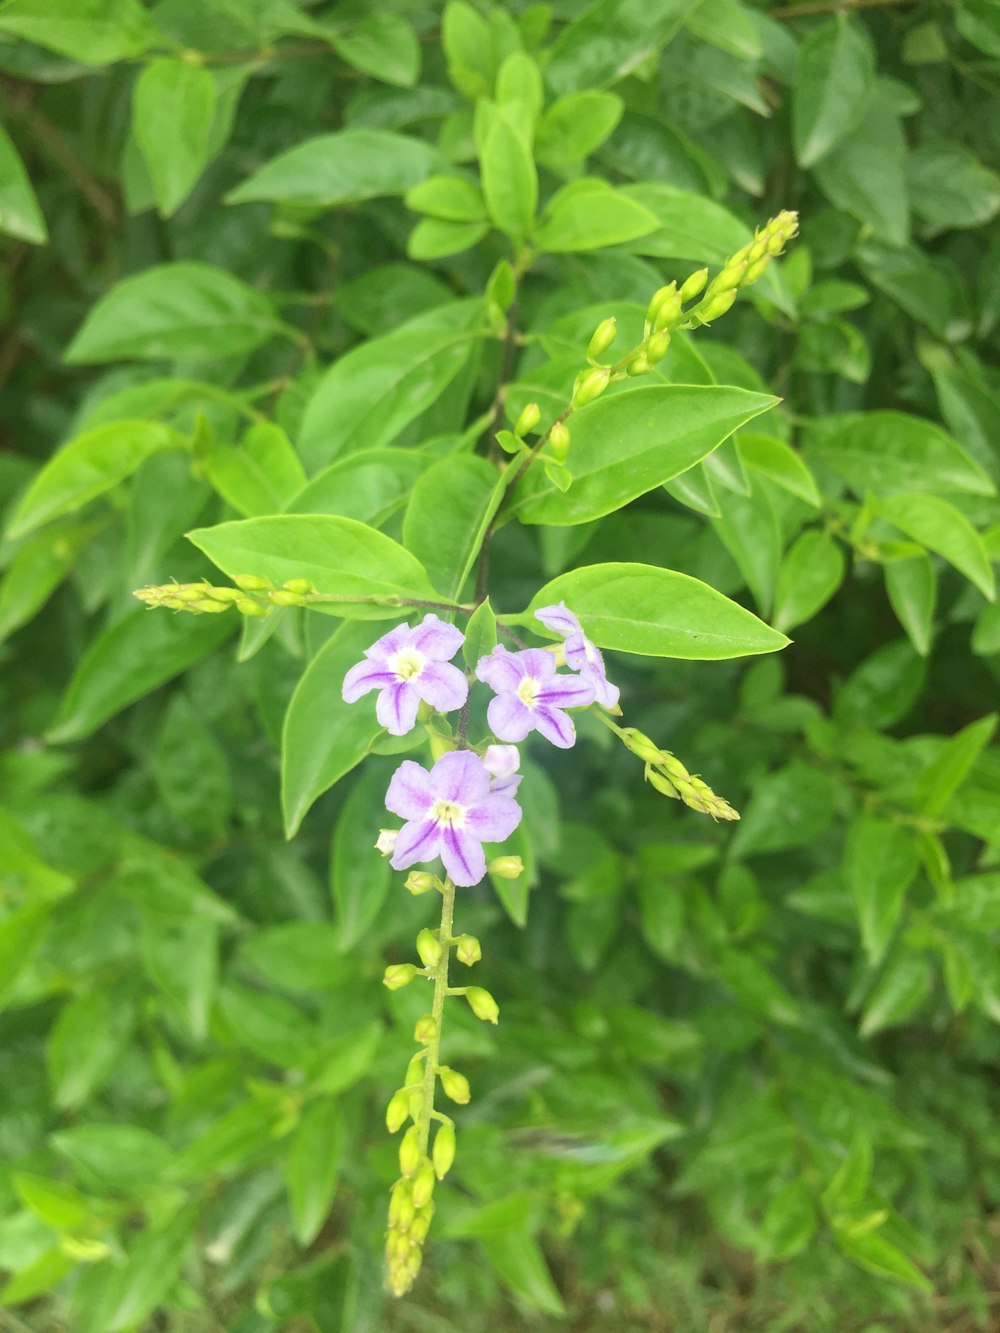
450 812
581 655
530 696
408 665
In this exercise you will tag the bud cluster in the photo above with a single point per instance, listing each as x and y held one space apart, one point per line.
252 596
667 774
744 267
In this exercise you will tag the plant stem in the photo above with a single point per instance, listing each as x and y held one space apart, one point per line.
440 975
314 597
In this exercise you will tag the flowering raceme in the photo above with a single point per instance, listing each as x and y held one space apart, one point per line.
407 666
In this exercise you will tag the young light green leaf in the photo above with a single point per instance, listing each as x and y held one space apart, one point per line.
510 181
383 45
574 126
520 1263
810 574
942 528
790 1221
182 959
480 634
94 32
452 198
446 519
184 310
578 219
778 461
657 612
36 571
631 442
834 81
173 107
122 1158
434 238
872 1251
911 586
261 476
945 775
312 1166
892 451
368 487
985 633
880 861
20 215
84 1044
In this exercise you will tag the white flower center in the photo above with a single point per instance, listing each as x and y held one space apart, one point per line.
527 690
407 664
449 813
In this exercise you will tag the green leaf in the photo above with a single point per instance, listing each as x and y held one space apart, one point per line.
337 555
789 808
510 181
811 572
453 198
36 571
312 1167
790 1221
942 528
95 32
183 310
121 1158
480 634
40 1276
949 186
262 476
86 468
359 876
911 586
85 1044
468 48
899 993
591 215
882 688
979 23
20 215
20 934
269 1026
631 442
977 903
881 1257
864 174
890 451
128 660
574 126
748 528
780 463
369 395
517 1258
297 955
150 1270
834 80
368 487
173 107
182 958
383 45
323 737
608 39
880 861
946 773
691 226
656 612
446 519
433 238
985 634
344 168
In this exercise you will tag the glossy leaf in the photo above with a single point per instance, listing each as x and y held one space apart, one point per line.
833 85
451 505
883 451
912 588
344 168
880 862
578 219
811 572
94 32
944 529
20 215
173 107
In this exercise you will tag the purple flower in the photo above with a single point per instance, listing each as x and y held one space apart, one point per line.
581 655
407 665
450 812
530 696
502 763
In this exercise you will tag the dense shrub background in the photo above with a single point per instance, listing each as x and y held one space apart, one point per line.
745 1078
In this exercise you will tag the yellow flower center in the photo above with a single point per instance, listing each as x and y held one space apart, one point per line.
407 663
449 813
527 690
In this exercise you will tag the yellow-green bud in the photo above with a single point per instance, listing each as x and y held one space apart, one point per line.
714 306
423 1184
406 1211
208 607
251 582
415 1101
604 335
414 1071
755 268
658 298
528 419
400 1192
730 277
410 1155
426 1029
444 1149
674 767
559 439
694 285
640 744
468 950
662 784
398 1110
188 592
482 1004
173 604
248 607
224 594
421 1224
590 384
398 975
506 867
419 881
455 1085
667 310
299 585
639 364
282 597
429 948
657 346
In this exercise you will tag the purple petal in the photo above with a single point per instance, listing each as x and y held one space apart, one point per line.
397 706
389 643
579 651
364 677
501 760
436 640
565 692
444 687
559 618
509 718
420 840
463 857
506 786
501 669
604 692
409 795
538 663
493 819
459 776
556 726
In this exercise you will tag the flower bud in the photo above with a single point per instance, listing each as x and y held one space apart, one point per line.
714 306
386 841
400 1192
282 597
444 1149
423 1184
482 1004
667 311
639 364
426 1029
410 1155
251 583
248 607
528 419
559 439
406 1210
730 277
694 285
419 881
414 1071
208 606
640 744
661 296
662 784
604 335
301 586
501 761
224 594
415 1101
398 975
755 269
590 384
455 1085
673 767
429 948
174 604
506 867
657 346
398 1110
468 950
420 1225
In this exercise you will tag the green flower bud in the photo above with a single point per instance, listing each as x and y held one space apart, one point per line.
730 277
429 948
590 384
248 607
208 607
468 950
426 1029
251 583
423 1184
398 975
559 440
657 346
420 1226
415 1101
444 1149
406 1211
398 1110
673 767
224 594
639 364
659 298
755 269
410 1155
640 744
667 312
282 597
414 1071
528 419
604 335
299 585
662 784
694 285
173 604
455 1085
400 1192
482 1004
714 306
506 867
419 881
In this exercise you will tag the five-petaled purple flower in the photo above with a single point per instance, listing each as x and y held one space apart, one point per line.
581 655
530 696
450 812
407 665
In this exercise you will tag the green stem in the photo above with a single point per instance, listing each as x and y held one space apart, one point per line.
440 975
392 600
